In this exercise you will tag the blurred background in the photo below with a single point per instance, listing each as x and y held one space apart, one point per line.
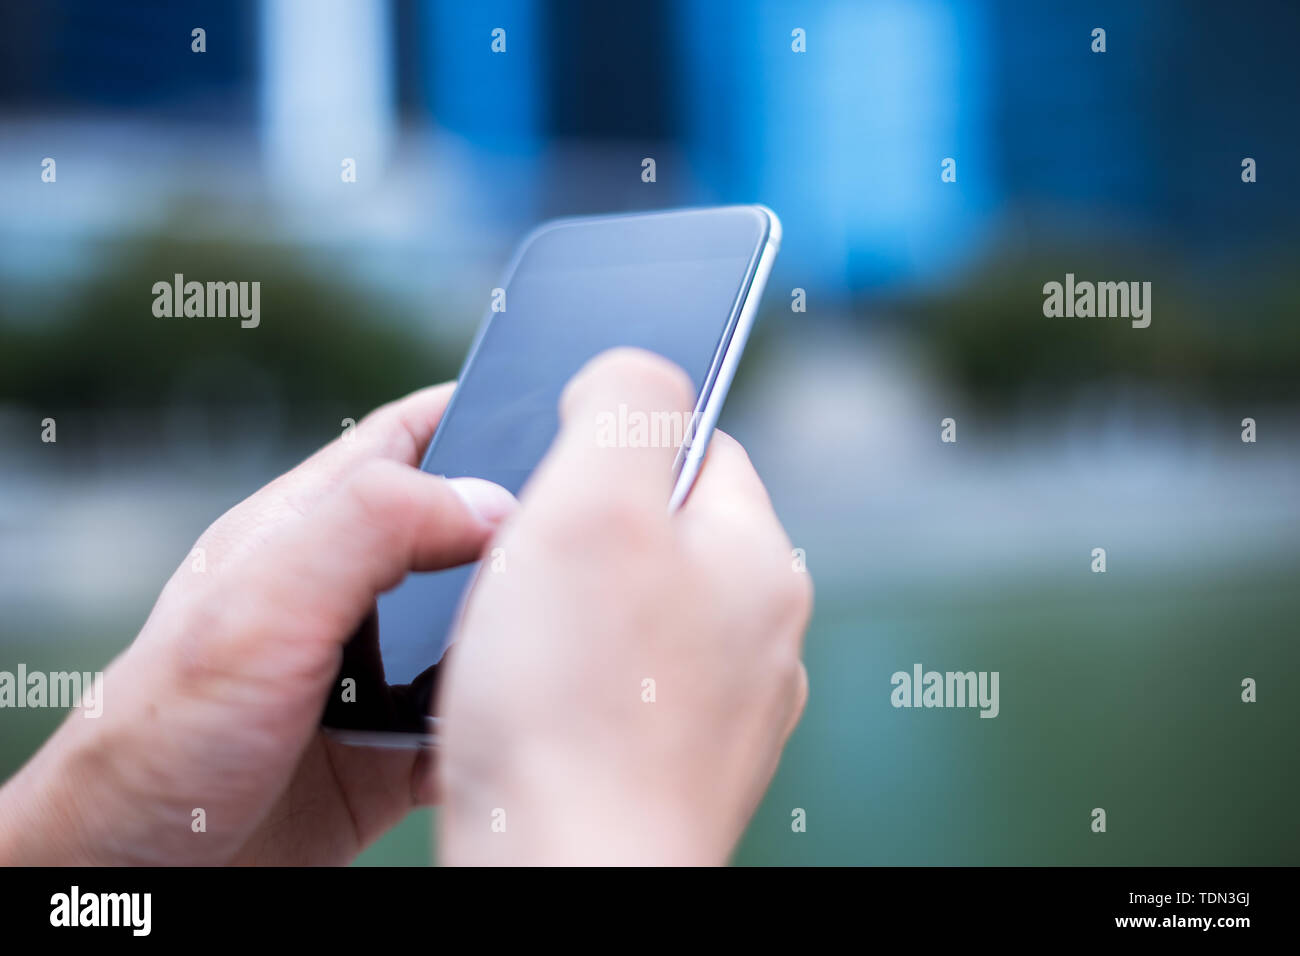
923 301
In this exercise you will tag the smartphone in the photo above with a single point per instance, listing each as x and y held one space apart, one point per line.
685 284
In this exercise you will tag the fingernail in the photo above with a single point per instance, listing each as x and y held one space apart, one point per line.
488 500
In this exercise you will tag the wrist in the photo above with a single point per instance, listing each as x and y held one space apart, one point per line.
550 811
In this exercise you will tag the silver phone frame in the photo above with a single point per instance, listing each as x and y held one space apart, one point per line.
690 458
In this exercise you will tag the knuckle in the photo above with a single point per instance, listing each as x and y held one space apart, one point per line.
798 694
798 691
788 664
200 652
792 597
786 671
804 594
376 497
606 522
624 521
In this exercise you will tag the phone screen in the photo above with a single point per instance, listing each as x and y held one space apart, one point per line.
668 282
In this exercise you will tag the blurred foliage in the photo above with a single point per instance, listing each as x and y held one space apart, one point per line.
987 334
321 340
325 341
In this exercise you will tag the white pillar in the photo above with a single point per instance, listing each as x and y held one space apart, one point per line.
327 94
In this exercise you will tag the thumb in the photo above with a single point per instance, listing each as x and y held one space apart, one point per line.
386 520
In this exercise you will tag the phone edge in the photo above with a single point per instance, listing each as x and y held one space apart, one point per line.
706 415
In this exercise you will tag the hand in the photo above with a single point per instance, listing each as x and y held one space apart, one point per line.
547 729
216 704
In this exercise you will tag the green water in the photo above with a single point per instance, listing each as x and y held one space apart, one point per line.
1113 693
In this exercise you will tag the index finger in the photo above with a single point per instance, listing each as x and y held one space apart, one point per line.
398 431
622 419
